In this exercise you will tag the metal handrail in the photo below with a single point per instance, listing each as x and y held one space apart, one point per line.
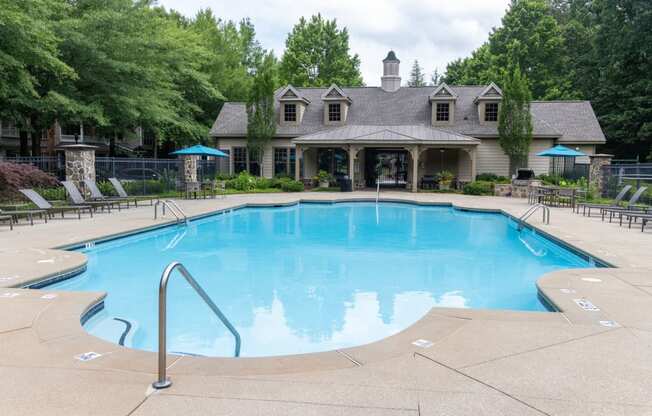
527 214
163 381
174 208
377 190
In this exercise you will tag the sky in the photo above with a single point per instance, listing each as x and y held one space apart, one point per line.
434 32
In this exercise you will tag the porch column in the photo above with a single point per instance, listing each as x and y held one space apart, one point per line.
414 152
353 153
298 155
474 162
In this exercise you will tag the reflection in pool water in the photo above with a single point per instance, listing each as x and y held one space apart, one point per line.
314 277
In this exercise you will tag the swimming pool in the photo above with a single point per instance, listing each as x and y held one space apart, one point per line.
314 277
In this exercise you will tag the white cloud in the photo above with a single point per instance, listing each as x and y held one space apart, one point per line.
433 31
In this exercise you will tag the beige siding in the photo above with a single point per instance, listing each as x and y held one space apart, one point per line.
540 165
589 149
491 158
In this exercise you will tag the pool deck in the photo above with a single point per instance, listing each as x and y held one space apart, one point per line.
476 362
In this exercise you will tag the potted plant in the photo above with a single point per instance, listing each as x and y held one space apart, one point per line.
323 178
445 179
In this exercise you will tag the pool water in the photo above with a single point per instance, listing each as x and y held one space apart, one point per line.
314 277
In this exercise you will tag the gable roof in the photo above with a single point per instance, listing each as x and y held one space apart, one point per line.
443 92
388 134
491 92
290 93
568 121
335 93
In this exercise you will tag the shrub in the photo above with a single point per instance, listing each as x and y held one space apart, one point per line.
145 187
243 182
479 188
14 176
492 177
291 186
224 177
264 183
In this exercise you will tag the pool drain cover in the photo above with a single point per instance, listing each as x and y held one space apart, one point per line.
422 343
586 305
87 356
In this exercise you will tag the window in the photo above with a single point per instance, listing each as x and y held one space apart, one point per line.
290 112
239 159
442 112
284 161
491 112
334 112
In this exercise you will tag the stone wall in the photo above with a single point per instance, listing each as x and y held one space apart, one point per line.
596 180
190 169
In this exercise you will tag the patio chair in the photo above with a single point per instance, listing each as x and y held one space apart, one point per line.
8 218
645 217
29 214
77 198
123 194
628 208
97 195
614 204
41 203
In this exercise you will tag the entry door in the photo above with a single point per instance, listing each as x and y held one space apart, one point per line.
388 167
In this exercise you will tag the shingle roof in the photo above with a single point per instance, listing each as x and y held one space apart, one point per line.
388 134
570 121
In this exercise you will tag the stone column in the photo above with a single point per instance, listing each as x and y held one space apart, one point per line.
80 163
353 154
189 168
595 171
298 155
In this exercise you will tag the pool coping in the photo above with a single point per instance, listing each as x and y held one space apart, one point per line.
326 360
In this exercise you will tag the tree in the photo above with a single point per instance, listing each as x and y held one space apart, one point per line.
31 68
515 119
261 119
317 54
416 76
435 78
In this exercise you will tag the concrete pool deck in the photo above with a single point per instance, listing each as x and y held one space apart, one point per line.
480 362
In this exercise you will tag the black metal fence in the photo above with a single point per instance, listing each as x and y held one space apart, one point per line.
614 177
140 176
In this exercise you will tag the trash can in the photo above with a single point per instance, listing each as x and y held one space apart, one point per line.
346 185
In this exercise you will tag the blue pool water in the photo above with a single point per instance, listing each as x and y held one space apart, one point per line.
314 277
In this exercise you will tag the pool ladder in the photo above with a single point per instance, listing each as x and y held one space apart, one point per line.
174 209
163 381
534 208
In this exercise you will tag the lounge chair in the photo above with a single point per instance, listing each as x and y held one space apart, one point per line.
645 217
628 208
77 198
8 218
123 194
29 214
614 204
41 203
97 195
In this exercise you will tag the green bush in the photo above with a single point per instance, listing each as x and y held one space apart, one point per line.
291 186
145 187
492 177
479 188
52 194
106 188
224 177
243 182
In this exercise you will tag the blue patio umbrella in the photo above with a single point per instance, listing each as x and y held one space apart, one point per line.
560 156
199 150
561 151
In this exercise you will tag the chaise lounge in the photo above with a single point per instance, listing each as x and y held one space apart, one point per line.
614 204
41 203
77 198
630 207
123 194
29 214
8 218
97 195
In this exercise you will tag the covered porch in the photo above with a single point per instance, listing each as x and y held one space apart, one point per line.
391 165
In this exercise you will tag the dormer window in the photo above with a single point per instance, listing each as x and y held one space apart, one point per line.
336 106
290 112
442 112
491 112
442 100
334 112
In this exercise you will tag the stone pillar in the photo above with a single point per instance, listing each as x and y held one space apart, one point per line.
298 155
80 163
353 154
596 179
189 168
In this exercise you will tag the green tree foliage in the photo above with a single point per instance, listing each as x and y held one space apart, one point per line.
597 50
317 54
515 120
417 78
261 120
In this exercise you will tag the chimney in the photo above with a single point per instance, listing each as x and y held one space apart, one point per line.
390 81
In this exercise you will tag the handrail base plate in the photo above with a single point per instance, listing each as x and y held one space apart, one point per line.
162 384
